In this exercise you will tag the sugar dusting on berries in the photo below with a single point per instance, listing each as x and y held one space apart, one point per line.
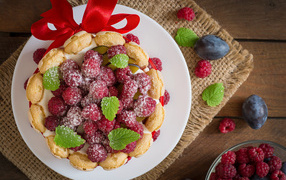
144 106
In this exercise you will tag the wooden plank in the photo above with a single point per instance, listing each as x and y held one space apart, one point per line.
244 19
198 157
268 79
10 171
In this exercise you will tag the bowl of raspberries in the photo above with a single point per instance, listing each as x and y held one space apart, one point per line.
250 160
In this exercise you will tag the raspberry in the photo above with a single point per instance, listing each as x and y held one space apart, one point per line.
155 135
203 69
213 176
120 107
57 106
132 38
38 55
127 103
242 156
60 90
226 125
155 62
186 13
74 116
86 83
225 170
129 89
69 65
51 122
25 83
95 138
143 81
106 74
129 148
275 163
90 54
144 106
228 158
262 169
256 154
117 125
127 117
242 178
72 78
98 89
105 143
123 74
114 50
166 97
91 112
112 91
90 68
96 153
278 175
105 125
77 148
267 149
90 127
246 170
72 95
66 122
138 128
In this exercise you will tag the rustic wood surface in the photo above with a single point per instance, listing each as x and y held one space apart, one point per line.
258 25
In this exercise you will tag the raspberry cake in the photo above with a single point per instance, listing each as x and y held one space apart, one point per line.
97 86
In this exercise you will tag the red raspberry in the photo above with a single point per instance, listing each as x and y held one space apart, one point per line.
90 68
73 78
25 83
129 89
60 90
96 153
91 112
123 74
90 54
72 95
228 158
117 125
88 99
166 97
138 128
90 127
256 154
246 170
214 176
143 81
120 107
112 91
95 138
225 170
155 135
74 116
105 143
38 55
262 169
226 125
86 83
114 50
127 117
144 106
275 163
66 122
267 149
69 65
77 148
156 62
127 103
57 106
203 69
98 89
242 156
186 13
133 38
106 74
105 125
51 122
242 178
129 148
278 175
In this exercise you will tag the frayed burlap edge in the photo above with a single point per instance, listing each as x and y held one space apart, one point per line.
200 116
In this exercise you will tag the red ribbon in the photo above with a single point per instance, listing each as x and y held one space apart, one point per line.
97 17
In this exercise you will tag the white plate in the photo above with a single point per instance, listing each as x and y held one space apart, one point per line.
157 43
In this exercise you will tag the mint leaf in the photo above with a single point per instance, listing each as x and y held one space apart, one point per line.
213 94
120 137
186 37
109 106
51 80
67 138
120 60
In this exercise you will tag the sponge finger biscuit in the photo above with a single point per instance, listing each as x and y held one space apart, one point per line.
157 84
78 42
155 120
35 88
56 150
52 59
135 52
108 39
114 160
142 145
37 118
80 161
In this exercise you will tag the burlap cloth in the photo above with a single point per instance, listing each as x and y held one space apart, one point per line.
232 70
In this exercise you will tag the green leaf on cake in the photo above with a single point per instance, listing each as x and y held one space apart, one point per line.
51 80
121 137
109 107
213 94
67 138
186 37
119 60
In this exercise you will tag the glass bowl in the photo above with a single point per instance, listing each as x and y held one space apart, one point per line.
279 151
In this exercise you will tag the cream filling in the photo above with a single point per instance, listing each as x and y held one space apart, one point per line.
48 133
47 95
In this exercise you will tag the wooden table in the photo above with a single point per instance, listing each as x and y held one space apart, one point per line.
259 25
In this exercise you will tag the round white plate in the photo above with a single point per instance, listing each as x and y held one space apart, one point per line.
157 43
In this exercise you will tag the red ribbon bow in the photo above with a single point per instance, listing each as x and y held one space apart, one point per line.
97 17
